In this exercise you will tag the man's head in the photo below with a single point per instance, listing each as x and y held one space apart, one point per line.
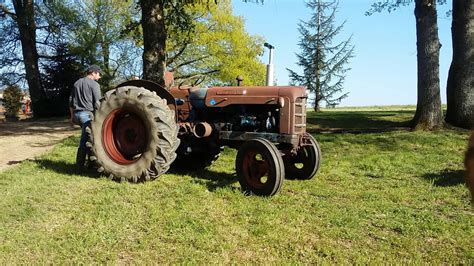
94 72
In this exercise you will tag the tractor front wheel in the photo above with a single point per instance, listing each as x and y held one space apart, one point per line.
305 163
260 167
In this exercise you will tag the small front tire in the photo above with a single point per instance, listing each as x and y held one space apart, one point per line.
260 167
305 164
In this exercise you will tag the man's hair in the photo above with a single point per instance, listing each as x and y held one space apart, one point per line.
93 68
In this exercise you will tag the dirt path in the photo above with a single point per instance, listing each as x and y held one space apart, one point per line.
26 139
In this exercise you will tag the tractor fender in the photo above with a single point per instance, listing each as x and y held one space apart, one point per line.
152 86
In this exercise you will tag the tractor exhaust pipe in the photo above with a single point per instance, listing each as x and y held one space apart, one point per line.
270 64
202 130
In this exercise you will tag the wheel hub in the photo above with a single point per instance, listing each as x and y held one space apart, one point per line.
256 169
124 136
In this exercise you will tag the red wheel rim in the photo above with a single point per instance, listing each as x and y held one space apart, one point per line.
124 136
255 169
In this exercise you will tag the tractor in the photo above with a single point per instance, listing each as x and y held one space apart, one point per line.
141 129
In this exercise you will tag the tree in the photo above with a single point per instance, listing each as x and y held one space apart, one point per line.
95 32
102 35
12 101
31 26
155 33
154 40
428 113
215 49
460 93
59 74
24 17
10 54
323 62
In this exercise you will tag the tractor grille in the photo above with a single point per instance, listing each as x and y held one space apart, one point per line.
300 115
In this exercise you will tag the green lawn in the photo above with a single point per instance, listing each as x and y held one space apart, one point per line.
383 195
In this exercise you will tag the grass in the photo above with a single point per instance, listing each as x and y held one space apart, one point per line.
385 197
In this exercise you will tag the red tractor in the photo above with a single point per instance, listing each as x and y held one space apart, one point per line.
140 130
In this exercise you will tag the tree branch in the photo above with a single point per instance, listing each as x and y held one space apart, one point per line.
196 75
180 52
5 11
190 62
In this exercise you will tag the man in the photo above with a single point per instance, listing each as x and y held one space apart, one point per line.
84 96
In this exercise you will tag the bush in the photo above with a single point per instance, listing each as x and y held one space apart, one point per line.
12 100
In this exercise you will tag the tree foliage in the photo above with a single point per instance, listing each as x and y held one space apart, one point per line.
215 48
96 34
323 61
59 74
12 100
65 36
392 5
156 16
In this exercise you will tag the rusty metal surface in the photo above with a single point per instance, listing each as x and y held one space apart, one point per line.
224 96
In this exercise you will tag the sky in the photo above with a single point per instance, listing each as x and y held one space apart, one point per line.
383 71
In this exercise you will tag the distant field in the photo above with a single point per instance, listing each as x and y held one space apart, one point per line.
373 108
383 195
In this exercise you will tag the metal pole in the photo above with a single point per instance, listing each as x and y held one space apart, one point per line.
270 64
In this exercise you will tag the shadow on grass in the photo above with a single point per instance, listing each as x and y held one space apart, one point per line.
446 178
359 121
62 167
211 179
37 126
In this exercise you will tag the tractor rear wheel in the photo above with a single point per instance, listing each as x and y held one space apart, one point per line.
134 135
260 167
305 163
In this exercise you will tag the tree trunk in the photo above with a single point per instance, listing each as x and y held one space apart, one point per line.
460 92
106 58
25 19
154 40
428 108
317 94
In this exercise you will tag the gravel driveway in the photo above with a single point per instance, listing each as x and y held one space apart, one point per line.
27 139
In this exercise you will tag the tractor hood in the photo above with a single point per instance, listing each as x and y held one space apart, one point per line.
224 96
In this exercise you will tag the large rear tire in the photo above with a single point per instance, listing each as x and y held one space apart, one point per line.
134 135
259 167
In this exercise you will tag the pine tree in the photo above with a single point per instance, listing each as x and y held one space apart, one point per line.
323 62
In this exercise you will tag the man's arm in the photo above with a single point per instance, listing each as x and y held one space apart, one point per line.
96 95
71 108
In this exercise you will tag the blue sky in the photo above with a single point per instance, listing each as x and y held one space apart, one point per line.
383 71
